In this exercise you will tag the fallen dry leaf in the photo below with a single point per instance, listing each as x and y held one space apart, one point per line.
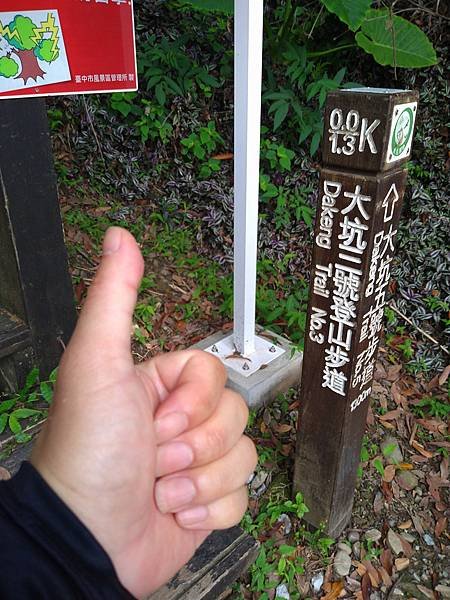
366 586
385 577
401 564
407 548
361 569
432 425
282 428
386 560
426 592
418 525
441 526
393 372
444 375
389 473
391 415
378 503
333 590
397 396
373 573
422 450
223 156
405 525
405 466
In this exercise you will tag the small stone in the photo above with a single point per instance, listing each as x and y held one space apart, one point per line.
317 582
344 548
408 537
357 550
391 450
372 535
397 593
375 596
444 590
428 539
259 479
282 592
394 542
286 522
353 536
407 480
342 564
401 563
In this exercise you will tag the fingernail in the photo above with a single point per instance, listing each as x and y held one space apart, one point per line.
170 425
173 457
174 493
112 240
192 516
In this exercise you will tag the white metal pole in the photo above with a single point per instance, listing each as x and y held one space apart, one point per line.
248 35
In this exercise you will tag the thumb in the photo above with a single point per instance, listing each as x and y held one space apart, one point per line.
103 330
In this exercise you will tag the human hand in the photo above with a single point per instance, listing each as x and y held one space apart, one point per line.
150 457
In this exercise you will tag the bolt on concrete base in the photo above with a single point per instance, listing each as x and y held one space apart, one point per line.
263 385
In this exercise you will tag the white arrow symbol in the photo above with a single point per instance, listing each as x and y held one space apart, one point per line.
389 203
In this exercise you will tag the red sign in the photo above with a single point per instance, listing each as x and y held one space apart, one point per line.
55 47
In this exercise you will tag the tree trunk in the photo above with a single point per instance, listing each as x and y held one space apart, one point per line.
30 66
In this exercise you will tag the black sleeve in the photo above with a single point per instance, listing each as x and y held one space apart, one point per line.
46 553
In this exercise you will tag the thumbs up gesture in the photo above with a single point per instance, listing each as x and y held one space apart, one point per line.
150 457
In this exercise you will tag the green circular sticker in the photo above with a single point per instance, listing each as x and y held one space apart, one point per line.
402 132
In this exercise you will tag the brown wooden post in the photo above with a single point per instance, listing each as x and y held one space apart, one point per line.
367 139
37 309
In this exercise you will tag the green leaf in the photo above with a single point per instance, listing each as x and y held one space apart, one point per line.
351 12
315 141
23 438
24 413
378 466
14 425
6 405
223 6
160 94
46 391
395 41
285 549
53 374
280 115
32 378
3 421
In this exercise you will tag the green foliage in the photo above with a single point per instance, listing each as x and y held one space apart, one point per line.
406 348
30 403
431 406
167 70
395 41
378 464
222 6
150 119
351 12
202 144
276 155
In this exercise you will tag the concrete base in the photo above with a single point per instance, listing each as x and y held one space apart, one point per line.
264 385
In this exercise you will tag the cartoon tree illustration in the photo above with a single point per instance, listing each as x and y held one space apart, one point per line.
29 43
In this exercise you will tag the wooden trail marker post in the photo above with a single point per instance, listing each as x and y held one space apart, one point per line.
367 139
